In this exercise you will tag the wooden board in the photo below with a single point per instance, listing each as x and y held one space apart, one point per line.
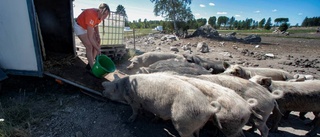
72 70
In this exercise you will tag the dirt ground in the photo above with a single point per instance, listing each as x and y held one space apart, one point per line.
43 107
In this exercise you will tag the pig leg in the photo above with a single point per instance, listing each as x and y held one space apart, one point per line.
286 114
264 130
277 118
135 111
302 115
314 120
315 128
238 134
188 125
261 125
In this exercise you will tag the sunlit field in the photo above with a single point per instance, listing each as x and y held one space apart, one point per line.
295 32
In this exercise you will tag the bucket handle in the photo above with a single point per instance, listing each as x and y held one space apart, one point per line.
98 55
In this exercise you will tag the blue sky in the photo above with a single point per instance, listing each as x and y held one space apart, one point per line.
295 10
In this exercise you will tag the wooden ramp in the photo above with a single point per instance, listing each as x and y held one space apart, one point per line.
72 70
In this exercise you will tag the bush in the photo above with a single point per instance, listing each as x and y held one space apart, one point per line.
283 27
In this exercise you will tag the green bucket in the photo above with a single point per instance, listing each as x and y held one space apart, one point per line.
103 66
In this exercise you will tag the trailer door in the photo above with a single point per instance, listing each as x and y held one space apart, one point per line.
20 52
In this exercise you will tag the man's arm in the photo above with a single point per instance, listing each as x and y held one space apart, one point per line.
92 38
97 34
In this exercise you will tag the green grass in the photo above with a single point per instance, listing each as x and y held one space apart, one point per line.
295 32
261 32
15 121
19 114
138 32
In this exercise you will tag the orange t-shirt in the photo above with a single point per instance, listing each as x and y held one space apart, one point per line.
88 17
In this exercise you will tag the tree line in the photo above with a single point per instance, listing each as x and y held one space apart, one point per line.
178 16
311 22
221 22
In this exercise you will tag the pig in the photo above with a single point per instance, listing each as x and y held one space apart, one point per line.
248 72
235 111
166 97
173 65
301 77
149 58
215 66
297 96
247 89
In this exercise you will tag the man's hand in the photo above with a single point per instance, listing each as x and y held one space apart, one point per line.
97 48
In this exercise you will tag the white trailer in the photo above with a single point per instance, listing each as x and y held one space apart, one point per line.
37 39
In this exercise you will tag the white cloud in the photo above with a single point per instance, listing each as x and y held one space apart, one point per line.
211 4
274 10
299 13
258 11
222 13
197 14
237 15
201 5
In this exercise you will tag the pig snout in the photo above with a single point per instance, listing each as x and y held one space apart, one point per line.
130 66
111 93
133 65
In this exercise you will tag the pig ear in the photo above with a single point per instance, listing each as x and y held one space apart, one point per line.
266 81
188 57
237 71
129 59
116 77
226 65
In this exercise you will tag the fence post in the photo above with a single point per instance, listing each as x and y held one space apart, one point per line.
134 39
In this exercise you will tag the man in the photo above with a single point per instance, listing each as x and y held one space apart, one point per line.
86 28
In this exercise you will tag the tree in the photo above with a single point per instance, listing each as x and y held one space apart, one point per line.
236 25
121 10
281 20
283 27
231 21
262 22
268 24
248 23
309 22
175 10
305 22
193 24
222 20
254 24
202 21
145 23
212 21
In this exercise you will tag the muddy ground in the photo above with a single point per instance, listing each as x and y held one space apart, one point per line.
43 107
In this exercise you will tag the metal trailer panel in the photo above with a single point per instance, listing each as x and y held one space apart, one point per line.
19 50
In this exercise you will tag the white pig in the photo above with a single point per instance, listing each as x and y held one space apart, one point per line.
235 111
248 72
149 58
247 89
165 96
298 96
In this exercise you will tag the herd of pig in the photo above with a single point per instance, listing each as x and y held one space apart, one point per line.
191 90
